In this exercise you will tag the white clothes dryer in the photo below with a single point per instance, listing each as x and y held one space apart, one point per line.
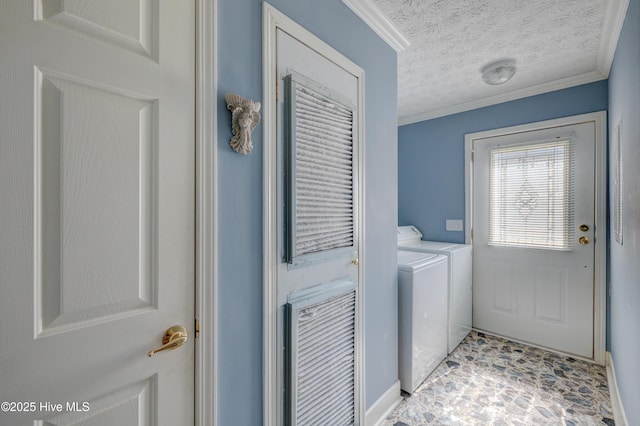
422 316
459 279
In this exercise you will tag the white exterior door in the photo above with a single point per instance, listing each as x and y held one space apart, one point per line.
533 236
96 211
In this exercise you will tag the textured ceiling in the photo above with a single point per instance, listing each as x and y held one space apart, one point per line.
451 40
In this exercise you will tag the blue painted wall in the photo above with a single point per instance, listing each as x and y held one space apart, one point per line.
624 103
239 308
431 153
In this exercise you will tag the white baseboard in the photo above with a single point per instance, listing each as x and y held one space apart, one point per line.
384 405
619 415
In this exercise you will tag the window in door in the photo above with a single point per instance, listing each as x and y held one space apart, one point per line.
532 195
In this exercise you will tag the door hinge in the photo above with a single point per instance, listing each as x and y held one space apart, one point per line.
472 233
197 328
277 82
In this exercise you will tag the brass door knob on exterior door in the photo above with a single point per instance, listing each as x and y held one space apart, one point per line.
174 337
583 240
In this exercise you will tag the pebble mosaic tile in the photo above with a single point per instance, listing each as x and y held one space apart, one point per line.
488 380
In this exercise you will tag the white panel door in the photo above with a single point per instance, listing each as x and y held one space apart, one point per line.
96 211
538 289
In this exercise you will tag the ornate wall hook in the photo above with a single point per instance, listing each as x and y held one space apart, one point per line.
244 118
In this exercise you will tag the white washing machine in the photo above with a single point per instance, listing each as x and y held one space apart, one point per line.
460 279
422 316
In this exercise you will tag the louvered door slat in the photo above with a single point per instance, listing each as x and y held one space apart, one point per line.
320 199
321 353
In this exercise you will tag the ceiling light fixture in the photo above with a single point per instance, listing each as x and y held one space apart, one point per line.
499 72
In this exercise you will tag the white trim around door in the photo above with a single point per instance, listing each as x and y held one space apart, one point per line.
272 21
600 186
206 212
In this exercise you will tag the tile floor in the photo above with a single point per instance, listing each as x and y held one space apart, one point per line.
487 380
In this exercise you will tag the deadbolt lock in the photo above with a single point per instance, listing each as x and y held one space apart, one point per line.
584 227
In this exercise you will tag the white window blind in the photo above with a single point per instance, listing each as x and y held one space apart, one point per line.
532 195
320 169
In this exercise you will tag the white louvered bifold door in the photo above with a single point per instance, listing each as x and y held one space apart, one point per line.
321 172
315 236
321 352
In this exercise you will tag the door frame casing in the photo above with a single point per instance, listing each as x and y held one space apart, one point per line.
272 20
600 209
206 213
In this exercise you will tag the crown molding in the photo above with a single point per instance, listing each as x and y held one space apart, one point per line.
611 28
373 16
563 83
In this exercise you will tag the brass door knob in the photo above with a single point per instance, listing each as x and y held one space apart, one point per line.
174 337
583 240
355 262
